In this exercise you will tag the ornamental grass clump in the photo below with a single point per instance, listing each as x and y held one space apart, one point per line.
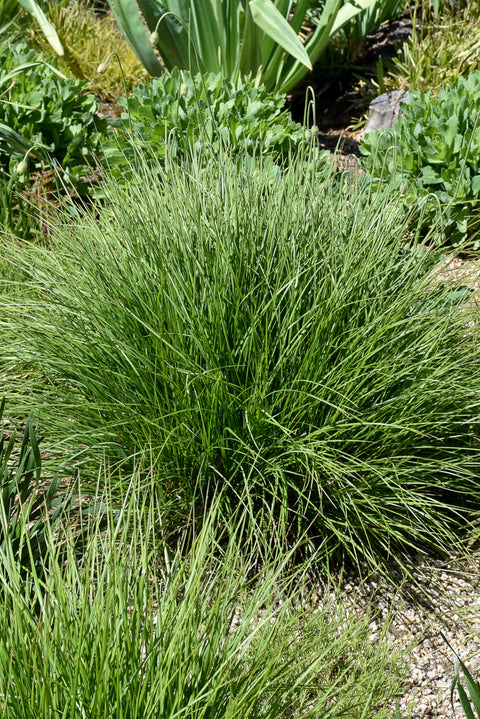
130 627
280 333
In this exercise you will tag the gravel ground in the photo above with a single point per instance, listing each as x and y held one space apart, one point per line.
444 598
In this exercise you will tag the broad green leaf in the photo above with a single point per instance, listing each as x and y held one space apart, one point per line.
130 23
46 26
315 46
348 11
172 35
476 184
16 143
451 130
273 24
269 46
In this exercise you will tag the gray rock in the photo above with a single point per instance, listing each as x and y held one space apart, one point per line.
385 110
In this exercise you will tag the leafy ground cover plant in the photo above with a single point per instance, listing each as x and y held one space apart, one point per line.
259 331
177 112
234 37
135 628
88 38
433 150
45 118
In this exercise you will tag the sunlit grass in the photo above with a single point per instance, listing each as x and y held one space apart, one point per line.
441 50
261 332
124 625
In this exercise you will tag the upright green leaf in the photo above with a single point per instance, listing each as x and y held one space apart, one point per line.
16 144
130 23
172 34
273 24
206 34
334 16
46 26
348 11
250 58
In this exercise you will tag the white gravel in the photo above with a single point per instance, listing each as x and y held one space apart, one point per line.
446 601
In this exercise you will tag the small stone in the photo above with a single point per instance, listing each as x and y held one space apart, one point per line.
384 111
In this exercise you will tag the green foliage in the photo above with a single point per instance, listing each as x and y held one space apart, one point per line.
233 37
176 113
8 9
434 147
134 628
243 329
46 116
473 689
36 12
16 217
25 498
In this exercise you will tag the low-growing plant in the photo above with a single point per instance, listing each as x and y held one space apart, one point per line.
433 150
177 112
261 331
46 119
135 628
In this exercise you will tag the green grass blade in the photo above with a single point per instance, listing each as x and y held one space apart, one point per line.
473 688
